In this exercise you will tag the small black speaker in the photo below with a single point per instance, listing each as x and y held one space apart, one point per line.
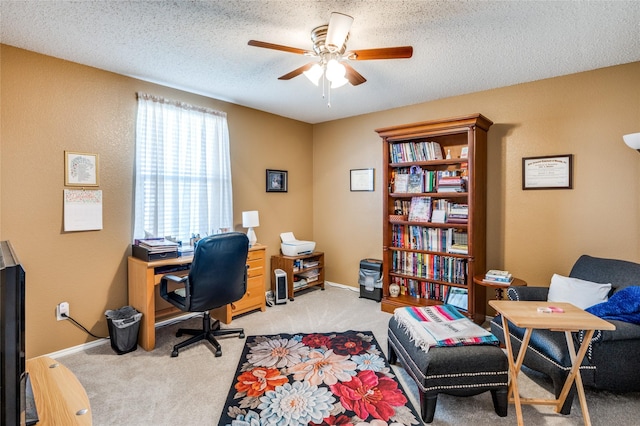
280 292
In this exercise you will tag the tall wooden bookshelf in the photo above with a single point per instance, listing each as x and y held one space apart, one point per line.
417 254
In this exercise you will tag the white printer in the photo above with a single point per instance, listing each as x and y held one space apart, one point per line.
292 247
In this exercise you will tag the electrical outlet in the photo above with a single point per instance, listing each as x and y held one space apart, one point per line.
62 309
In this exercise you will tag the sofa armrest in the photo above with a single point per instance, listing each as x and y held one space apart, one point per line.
623 331
528 293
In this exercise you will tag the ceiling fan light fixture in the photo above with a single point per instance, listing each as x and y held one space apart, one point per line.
314 73
335 70
339 26
338 82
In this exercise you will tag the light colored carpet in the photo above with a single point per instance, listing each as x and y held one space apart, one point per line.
151 388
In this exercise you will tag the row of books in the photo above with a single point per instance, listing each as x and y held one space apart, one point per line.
421 289
415 151
415 237
407 181
498 276
425 209
451 184
430 266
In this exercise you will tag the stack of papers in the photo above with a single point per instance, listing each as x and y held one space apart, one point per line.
158 245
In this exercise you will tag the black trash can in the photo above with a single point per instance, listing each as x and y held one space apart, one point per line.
370 279
124 325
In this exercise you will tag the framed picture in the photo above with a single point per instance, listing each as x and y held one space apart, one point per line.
361 180
277 181
458 297
548 172
80 169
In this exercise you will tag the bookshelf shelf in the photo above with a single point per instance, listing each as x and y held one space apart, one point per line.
413 250
309 267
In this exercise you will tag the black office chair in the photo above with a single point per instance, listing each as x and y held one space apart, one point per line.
218 276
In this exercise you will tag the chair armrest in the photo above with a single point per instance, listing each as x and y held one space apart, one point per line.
528 293
175 279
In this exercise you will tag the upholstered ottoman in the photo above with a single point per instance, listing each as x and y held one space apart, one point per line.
454 370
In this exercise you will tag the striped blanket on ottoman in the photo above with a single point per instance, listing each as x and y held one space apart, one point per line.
445 352
441 325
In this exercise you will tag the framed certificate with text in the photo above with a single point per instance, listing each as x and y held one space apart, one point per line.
361 180
548 172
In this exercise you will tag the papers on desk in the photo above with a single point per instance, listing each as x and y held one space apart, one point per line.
158 245
154 249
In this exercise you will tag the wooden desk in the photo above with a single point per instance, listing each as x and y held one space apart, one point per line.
144 292
499 288
60 398
525 315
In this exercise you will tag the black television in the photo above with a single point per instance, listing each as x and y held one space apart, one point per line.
13 379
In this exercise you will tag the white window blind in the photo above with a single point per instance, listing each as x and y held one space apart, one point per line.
182 170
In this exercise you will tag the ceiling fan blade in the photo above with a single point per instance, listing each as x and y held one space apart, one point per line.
296 72
280 47
399 52
339 26
353 76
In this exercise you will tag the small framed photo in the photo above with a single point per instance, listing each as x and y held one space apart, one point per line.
277 181
80 169
361 180
548 172
458 298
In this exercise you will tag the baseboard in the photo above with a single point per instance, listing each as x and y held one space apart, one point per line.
343 286
99 342
93 344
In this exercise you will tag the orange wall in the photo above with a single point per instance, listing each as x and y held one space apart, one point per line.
535 233
49 106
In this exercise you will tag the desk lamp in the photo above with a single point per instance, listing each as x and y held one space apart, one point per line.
250 220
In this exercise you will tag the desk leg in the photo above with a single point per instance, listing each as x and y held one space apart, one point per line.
148 323
514 367
574 374
142 297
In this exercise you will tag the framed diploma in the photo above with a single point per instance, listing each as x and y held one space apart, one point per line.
361 180
548 172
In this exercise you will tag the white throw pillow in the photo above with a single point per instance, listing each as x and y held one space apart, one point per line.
576 291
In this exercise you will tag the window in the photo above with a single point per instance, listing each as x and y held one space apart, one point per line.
182 170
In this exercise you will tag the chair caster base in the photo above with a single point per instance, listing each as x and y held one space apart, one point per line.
174 353
241 336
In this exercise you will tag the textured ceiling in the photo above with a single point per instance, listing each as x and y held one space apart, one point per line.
201 46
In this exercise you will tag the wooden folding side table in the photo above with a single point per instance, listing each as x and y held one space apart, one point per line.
525 314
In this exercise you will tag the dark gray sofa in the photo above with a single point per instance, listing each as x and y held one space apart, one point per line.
612 361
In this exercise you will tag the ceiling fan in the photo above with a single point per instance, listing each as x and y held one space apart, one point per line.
330 49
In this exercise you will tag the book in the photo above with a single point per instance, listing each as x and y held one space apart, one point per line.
438 216
497 273
401 183
420 210
498 276
459 249
498 282
415 183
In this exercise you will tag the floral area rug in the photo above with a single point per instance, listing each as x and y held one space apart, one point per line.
316 379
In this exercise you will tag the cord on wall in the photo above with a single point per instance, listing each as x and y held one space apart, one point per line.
82 327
